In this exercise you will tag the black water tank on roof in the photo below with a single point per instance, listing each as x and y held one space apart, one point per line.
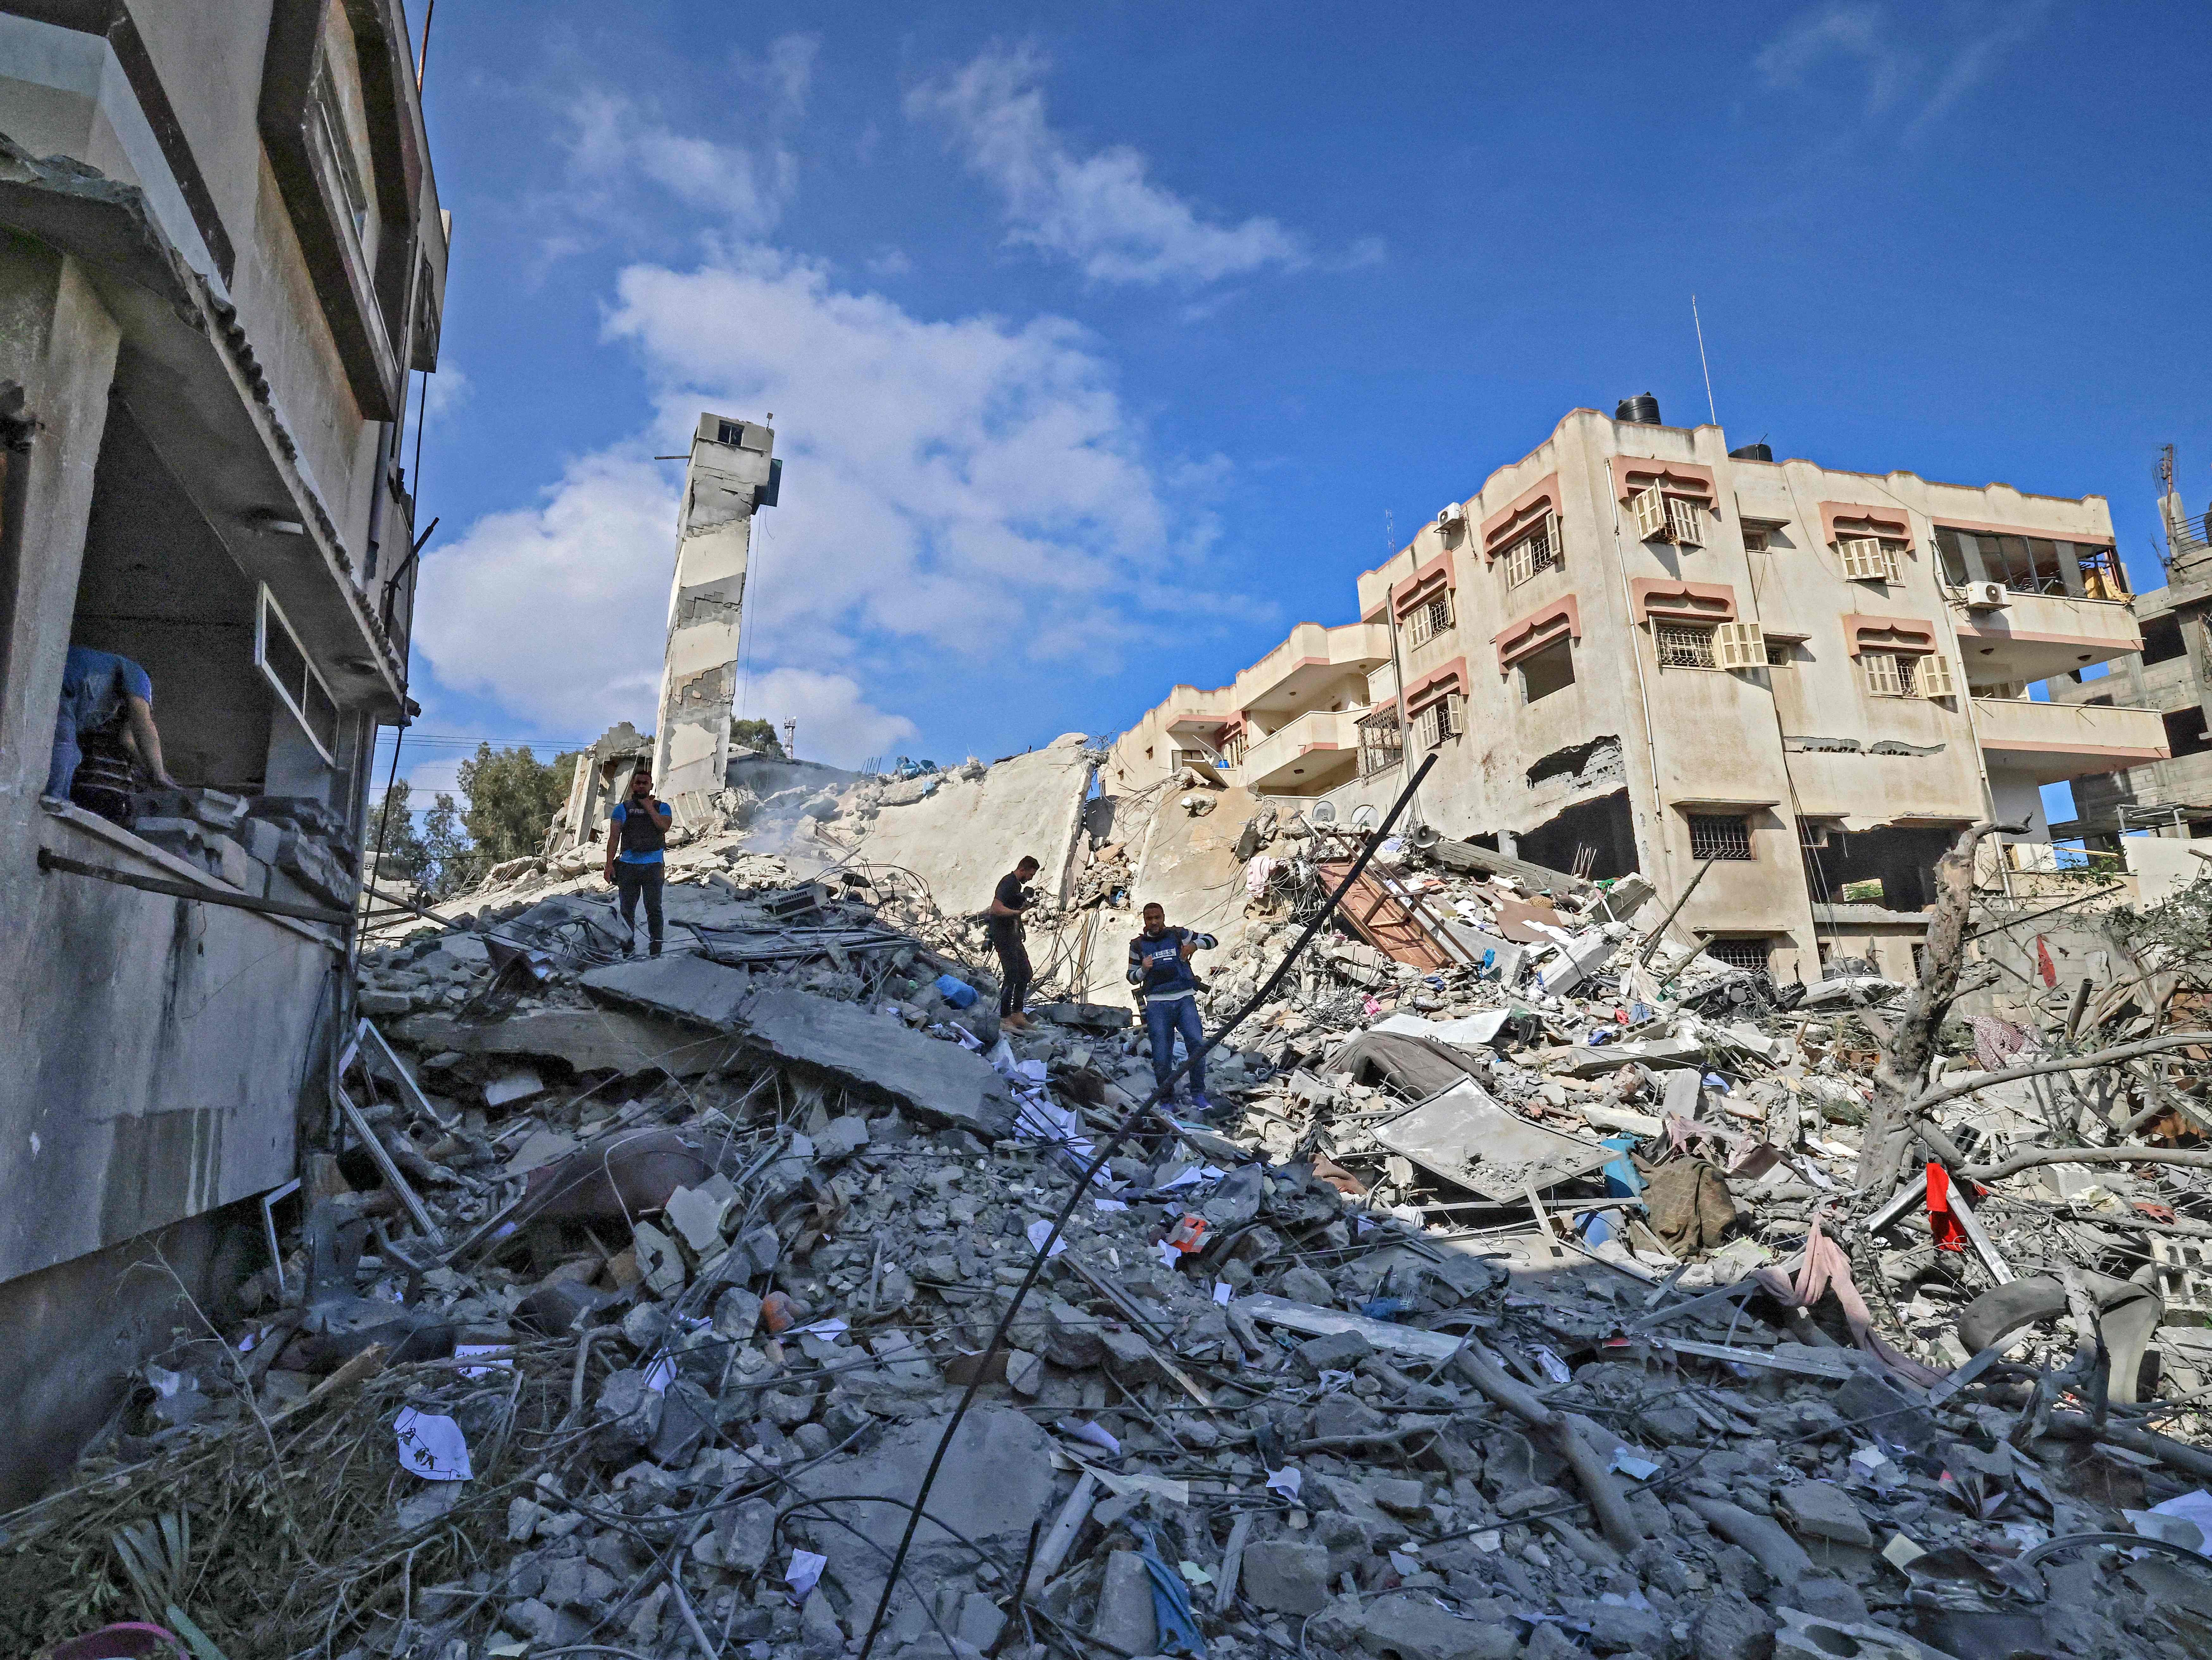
1752 452
1643 410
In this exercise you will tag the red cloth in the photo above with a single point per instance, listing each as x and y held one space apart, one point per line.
2042 962
1943 1221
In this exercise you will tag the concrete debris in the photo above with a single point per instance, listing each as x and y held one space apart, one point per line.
1477 1318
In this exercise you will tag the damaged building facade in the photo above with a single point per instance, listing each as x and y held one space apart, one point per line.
223 257
2172 675
1637 649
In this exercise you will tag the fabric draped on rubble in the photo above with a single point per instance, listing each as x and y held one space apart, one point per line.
1689 1205
1822 1267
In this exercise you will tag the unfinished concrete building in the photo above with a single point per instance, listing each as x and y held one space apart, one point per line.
221 258
730 474
2172 675
1635 649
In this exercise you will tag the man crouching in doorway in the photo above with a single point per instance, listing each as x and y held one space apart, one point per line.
1160 968
637 831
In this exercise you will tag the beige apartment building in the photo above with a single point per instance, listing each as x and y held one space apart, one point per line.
1635 649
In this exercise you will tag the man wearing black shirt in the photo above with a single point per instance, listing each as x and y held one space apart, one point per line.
1008 902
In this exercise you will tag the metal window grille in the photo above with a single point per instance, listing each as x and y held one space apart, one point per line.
1778 653
1382 742
1538 551
1445 717
1684 645
1739 953
1430 619
1719 836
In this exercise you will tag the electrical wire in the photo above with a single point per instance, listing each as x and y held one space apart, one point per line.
1098 1162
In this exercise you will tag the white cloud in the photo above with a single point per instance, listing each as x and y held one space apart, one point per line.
963 498
614 143
1902 90
836 723
1101 210
447 389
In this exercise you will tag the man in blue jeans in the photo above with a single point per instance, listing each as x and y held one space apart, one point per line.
637 830
1160 968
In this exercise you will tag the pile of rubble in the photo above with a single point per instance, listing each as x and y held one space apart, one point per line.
290 848
1522 1295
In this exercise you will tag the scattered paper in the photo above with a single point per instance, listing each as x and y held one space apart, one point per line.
432 1447
659 1375
1553 1367
1167 1254
1082 1429
1634 1468
491 1357
1901 1550
1286 1482
1109 1204
804 1573
1039 1231
2184 1520
1194 1573
826 1329
1222 1291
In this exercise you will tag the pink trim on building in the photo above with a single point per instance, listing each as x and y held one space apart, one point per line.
1445 678
1863 632
1671 598
1505 526
1526 635
1892 522
1633 473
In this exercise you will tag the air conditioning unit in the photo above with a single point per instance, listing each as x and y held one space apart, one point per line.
1450 516
1987 596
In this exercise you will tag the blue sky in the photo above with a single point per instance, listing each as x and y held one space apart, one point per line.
1104 347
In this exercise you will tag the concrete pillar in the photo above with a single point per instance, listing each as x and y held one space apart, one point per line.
730 475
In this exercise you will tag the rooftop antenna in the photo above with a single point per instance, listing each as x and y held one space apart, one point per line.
1699 323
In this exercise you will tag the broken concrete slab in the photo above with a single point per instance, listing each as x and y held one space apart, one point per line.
940 1083
584 1040
1465 1136
687 988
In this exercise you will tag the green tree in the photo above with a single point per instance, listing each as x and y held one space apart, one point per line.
513 796
756 735
405 858
450 863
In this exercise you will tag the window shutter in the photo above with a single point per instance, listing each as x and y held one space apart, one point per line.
1651 509
1682 521
1739 645
1417 627
1455 713
1882 675
1934 680
1863 560
1889 564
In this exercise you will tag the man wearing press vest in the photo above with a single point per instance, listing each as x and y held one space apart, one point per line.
637 830
1160 968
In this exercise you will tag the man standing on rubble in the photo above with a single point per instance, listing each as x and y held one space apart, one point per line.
1008 901
1160 968
637 830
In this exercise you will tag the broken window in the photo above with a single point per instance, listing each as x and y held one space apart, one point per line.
2185 732
1546 671
1429 619
2162 642
1740 953
1781 653
1758 538
1538 551
333 143
1684 645
1720 835
299 684
1381 741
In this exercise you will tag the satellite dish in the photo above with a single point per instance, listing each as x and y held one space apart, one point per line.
1324 812
1364 818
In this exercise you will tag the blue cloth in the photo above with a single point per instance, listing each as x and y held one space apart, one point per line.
626 857
1163 1018
94 685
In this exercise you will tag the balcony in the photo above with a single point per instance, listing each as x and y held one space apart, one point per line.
1314 664
2034 636
2053 742
1316 752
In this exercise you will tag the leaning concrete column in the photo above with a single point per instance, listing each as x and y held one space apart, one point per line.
730 475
